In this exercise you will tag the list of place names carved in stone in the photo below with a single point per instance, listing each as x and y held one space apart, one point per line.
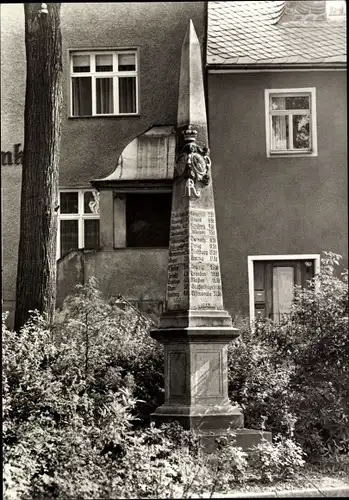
205 279
178 263
193 271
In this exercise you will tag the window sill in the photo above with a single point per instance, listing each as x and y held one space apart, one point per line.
140 248
291 154
133 115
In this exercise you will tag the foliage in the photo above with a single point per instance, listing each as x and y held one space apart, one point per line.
161 462
69 410
296 373
55 422
258 381
112 343
231 465
71 400
278 460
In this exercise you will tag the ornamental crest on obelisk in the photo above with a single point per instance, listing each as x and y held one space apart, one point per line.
193 162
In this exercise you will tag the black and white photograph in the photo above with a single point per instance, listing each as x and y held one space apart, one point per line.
174 250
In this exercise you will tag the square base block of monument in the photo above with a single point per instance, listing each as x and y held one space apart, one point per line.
201 418
243 438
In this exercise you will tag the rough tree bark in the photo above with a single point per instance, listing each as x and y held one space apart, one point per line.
36 271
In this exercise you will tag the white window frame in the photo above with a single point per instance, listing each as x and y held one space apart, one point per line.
115 75
253 258
268 93
80 217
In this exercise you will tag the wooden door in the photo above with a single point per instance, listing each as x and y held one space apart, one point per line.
274 283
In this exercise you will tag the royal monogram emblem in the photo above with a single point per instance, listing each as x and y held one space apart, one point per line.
189 187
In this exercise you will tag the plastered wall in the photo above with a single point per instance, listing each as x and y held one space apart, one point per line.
90 147
274 205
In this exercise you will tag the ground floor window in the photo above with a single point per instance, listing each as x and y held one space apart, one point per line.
148 218
78 220
272 279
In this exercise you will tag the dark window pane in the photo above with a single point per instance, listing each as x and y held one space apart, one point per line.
81 64
297 102
127 95
82 96
104 62
91 228
127 62
104 91
69 203
69 236
148 220
91 202
301 132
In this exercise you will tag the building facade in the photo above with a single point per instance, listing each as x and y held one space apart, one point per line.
277 113
121 64
276 98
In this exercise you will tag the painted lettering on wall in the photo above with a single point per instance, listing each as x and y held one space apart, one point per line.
13 157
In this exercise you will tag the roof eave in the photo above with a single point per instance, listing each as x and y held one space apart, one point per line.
313 66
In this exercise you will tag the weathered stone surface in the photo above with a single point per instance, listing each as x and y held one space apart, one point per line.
194 289
191 99
195 329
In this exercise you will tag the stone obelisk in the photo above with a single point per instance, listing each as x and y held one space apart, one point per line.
194 328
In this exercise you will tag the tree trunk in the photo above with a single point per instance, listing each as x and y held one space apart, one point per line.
36 272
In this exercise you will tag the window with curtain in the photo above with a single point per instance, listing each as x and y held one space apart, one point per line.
78 220
104 83
290 121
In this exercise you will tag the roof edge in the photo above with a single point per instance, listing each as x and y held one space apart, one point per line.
313 66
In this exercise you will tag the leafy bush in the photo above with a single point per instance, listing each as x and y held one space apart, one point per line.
296 374
231 465
278 460
71 396
161 462
112 343
67 410
70 407
54 427
259 381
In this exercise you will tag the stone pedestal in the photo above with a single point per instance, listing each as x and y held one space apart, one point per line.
196 386
196 378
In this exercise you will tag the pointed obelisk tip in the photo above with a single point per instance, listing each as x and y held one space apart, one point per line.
191 101
190 35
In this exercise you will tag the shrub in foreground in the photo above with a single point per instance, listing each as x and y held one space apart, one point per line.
278 460
296 374
70 414
71 400
68 431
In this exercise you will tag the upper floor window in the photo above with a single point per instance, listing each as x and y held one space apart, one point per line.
78 220
290 122
103 83
336 9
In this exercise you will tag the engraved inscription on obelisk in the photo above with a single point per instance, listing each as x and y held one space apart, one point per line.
194 280
205 278
178 263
